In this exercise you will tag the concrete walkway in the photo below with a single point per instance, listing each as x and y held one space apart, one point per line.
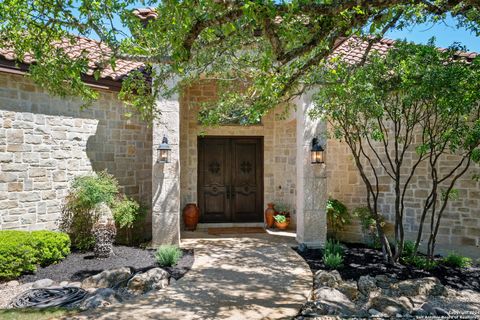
251 277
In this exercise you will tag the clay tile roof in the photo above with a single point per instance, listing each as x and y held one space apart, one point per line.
93 50
146 13
351 50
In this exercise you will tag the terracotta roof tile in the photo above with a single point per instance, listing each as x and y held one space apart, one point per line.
353 49
350 50
93 50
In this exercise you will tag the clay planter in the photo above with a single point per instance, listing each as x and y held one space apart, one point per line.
269 213
191 214
282 225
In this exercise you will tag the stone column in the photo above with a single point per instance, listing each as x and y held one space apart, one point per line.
166 177
311 179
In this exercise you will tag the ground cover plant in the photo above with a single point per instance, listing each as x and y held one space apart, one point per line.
457 260
415 101
333 254
22 251
361 260
168 255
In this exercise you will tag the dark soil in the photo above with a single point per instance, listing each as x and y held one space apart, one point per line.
360 260
77 266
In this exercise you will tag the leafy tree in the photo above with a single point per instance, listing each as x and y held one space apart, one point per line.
416 106
270 50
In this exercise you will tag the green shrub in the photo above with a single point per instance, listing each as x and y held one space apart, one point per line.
87 192
168 255
91 190
421 262
78 214
408 248
126 211
337 217
51 246
334 247
457 261
21 251
332 260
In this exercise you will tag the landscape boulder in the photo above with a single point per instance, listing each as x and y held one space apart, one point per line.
333 302
349 288
107 278
366 284
324 278
42 283
429 286
391 306
102 297
383 281
152 279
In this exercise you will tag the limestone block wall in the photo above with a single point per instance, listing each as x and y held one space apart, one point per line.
460 228
45 141
279 147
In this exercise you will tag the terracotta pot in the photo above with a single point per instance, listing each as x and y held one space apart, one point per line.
191 214
269 213
282 225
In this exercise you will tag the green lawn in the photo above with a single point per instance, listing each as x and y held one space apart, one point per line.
34 314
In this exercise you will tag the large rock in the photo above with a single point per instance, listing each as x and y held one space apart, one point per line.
107 278
152 279
42 283
349 289
391 306
366 284
325 278
102 297
429 286
333 302
383 281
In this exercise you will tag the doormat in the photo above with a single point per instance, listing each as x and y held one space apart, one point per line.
235 230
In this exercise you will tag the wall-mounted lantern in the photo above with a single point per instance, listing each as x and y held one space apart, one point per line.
317 152
164 151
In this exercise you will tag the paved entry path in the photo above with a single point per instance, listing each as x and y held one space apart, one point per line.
251 277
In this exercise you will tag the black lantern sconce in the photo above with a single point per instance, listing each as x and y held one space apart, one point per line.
164 151
317 152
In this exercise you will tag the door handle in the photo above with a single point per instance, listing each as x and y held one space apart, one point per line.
227 191
232 192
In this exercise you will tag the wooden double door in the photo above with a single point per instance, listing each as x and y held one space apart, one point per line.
230 179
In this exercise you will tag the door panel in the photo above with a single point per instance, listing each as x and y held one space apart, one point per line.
230 179
213 180
246 177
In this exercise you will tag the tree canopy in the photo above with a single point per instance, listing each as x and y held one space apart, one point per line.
271 50
417 107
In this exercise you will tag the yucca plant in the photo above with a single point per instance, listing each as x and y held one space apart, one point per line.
168 255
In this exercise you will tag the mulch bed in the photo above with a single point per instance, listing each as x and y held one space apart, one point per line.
77 266
360 260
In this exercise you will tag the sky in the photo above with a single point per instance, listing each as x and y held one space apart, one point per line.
445 33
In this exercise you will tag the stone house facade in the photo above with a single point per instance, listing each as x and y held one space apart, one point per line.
45 141
231 171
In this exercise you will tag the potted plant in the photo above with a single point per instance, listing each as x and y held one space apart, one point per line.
282 216
281 222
